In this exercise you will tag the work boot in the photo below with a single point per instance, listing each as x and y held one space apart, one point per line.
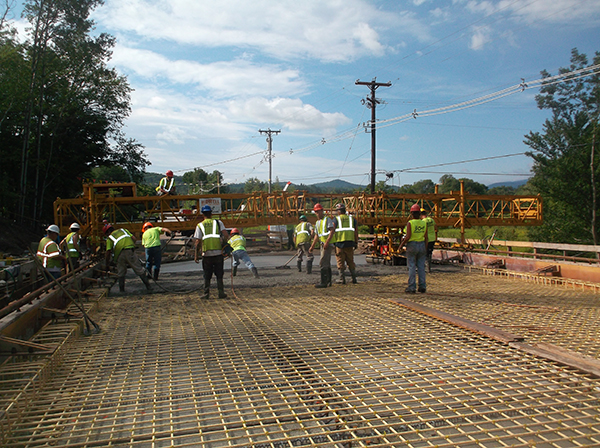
206 294
309 266
341 279
254 272
156 271
221 289
234 271
353 274
299 266
146 282
122 284
323 283
329 276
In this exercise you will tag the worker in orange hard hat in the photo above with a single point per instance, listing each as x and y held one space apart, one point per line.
238 244
324 235
167 184
416 250
151 243
431 236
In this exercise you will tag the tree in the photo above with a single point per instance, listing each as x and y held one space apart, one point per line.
201 182
254 184
449 183
566 162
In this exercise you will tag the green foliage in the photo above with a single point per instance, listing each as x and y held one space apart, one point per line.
254 184
566 160
201 182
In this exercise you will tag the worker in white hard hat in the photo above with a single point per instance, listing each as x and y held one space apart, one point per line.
49 253
70 246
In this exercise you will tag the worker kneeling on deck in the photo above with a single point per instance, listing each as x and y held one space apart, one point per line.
324 232
238 244
121 243
416 250
49 253
210 236
302 238
346 240
151 242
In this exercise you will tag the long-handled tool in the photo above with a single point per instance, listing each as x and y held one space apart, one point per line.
285 266
54 281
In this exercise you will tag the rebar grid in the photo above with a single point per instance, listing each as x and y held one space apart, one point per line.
286 367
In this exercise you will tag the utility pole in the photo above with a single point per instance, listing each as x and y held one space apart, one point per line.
269 132
372 103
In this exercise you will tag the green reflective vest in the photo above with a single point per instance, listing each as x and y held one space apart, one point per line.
165 184
323 231
151 237
302 233
430 229
72 251
237 242
211 235
418 227
344 231
118 240
47 253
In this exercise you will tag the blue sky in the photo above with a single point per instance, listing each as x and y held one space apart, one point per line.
208 75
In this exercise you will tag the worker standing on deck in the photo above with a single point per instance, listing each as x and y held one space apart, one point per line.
238 244
431 236
416 250
324 233
346 240
151 243
70 245
49 253
302 238
166 185
121 243
210 236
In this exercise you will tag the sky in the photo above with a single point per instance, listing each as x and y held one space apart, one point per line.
207 76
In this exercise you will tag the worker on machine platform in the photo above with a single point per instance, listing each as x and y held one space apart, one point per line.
302 238
151 243
416 250
210 236
70 245
324 235
49 253
238 244
122 243
346 240
167 185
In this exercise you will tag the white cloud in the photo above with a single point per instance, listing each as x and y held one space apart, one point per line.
480 37
336 30
548 11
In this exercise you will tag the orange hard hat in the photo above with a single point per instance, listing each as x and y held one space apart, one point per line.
317 207
235 231
415 208
108 228
146 226
169 173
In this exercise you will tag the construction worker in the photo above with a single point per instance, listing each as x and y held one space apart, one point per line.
431 236
238 244
302 238
166 184
416 250
346 240
70 245
324 234
209 238
49 253
151 242
121 243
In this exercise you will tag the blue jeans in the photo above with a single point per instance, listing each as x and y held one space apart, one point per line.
243 256
153 257
416 254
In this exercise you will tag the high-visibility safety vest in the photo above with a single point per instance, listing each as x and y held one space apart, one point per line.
323 231
211 240
163 183
72 251
119 240
418 227
47 253
430 229
344 230
302 233
151 237
237 242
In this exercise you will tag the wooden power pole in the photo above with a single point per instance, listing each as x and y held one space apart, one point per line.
269 132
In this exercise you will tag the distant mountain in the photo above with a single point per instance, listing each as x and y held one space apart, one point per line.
514 183
337 184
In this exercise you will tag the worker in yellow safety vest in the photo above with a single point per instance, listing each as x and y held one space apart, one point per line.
324 236
346 240
152 246
238 245
49 253
121 244
431 236
302 239
416 250
166 185
210 235
70 246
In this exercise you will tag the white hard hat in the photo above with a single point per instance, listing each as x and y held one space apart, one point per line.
53 228
75 226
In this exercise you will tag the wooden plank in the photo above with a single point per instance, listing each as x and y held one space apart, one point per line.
561 355
25 343
476 327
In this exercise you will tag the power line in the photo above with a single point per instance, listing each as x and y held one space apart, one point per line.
455 163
